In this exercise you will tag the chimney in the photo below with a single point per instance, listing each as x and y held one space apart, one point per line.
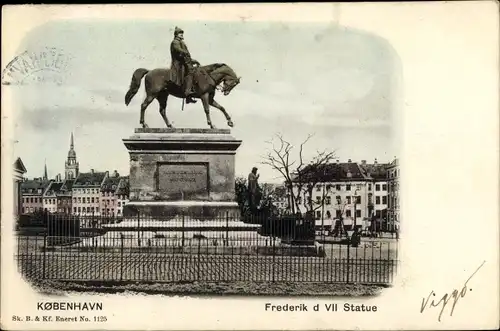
375 162
338 161
363 162
58 178
92 171
349 161
116 174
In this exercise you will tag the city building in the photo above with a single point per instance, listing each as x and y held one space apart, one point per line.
49 197
18 177
341 190
109 200
393 193
355 192
64 197
378 174
32 191
122 194
71 167
87 192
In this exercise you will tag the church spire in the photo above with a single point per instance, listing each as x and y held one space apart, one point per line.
72 145
45 176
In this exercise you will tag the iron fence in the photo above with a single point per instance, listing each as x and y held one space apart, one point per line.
193 248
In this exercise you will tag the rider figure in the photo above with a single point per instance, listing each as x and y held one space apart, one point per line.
182 64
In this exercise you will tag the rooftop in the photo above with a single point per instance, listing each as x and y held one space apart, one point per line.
92 178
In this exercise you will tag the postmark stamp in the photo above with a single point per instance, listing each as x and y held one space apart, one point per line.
38 66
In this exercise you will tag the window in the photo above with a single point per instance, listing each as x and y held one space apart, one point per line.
318 214
318 188
328 214
318 200
377 200
328 200
74 209
348 200
92 199
358 186
23 210
378 213
348 187
338 188
348 213
88 199
119 212
384 187
338 213
377 187
339 199
31 200
299 200
358 199
119 203
358 212
384 200
79 209
369 187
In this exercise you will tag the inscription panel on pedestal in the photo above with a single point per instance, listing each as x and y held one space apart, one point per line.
183 180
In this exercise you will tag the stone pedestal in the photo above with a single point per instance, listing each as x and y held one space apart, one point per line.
174 171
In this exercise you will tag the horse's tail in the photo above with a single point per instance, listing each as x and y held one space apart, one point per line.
135 84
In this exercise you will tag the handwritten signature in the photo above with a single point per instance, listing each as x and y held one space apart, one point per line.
445 299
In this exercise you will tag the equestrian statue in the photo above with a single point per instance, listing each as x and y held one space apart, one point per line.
185 79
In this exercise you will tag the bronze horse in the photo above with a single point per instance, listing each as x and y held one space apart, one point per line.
158 86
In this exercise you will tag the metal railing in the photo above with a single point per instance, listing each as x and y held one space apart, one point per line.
186 247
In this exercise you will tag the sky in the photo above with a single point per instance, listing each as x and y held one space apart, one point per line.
342 85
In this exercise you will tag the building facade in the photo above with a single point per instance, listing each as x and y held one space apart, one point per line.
122 194
355 192
32 191
18 177
87 192
393 176
49 197
109 200
64 197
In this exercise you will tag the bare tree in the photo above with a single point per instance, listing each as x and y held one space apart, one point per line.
300 177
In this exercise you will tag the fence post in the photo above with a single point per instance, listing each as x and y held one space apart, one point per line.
348 261
183 230
227 228
121 256
44 253
138 229
274 255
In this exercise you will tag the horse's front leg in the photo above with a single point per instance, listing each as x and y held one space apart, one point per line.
218 106
206 106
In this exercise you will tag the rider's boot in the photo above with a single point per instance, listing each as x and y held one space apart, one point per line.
188 92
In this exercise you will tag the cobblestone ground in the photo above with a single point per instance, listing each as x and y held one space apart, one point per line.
191 267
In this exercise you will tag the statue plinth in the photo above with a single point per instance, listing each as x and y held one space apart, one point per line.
176 171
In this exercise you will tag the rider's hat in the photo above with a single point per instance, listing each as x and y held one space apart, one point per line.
177 31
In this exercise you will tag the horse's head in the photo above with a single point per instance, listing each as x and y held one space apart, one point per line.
229 83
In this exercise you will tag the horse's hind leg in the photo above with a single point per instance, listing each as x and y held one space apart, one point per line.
215 104
162 100
145 105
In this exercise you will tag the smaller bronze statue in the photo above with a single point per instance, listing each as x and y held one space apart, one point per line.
253 189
